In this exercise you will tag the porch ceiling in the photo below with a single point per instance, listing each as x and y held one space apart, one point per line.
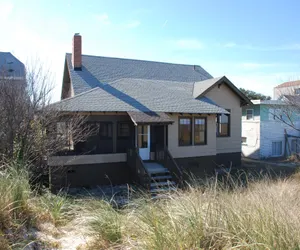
150 118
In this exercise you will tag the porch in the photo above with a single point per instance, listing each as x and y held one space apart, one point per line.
136 139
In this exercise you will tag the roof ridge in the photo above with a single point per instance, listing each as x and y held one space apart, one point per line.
216 78
151 80
140 60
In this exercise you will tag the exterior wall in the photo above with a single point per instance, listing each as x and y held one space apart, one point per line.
195 150
251 130
272 130
278 92
86 159
90 175
226 98
197 167
228 160
262 131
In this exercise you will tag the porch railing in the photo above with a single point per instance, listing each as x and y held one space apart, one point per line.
164 156
137 166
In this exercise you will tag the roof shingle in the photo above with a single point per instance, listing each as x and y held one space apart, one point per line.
105 70
140 95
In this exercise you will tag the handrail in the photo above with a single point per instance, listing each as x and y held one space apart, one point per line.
174 162
164 156
136 163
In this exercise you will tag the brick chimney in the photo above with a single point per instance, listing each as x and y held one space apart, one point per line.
76 53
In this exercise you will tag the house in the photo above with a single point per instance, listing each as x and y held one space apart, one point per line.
11 67
265 129
154 120
287 88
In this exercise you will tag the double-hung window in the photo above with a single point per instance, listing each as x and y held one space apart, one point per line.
223 125
277 148
192 131
199 131
249 114
185 131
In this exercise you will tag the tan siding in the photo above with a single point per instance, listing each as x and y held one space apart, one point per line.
86 159
227 99
192 151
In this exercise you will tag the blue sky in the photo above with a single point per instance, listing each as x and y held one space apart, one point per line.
256 44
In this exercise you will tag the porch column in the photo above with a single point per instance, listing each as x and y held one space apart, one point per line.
136 136
115 131
165 136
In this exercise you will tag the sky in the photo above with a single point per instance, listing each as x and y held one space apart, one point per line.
256 43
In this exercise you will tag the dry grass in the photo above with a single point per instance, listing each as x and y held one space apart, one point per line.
21 208
265 215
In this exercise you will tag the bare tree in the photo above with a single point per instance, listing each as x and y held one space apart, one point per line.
286 110
30 128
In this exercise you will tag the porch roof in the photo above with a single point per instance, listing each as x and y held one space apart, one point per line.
150 118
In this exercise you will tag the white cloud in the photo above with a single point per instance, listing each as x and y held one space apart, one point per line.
5 10
133 24
103 18
190 44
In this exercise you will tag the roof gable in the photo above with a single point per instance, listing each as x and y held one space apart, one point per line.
203 87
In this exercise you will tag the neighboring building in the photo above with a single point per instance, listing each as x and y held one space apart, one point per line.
11 67
155 120
287 88
264 135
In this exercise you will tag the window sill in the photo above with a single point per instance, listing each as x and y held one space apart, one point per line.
222 136
200 144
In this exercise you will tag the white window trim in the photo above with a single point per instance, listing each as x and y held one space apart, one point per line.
281 149
252 115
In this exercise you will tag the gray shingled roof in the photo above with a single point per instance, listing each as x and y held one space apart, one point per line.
201 87
140 95
150 117
11 66
105 70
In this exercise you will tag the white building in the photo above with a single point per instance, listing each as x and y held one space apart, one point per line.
287 88
263 134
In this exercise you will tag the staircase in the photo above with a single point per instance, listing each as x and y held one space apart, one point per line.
161 179
160 176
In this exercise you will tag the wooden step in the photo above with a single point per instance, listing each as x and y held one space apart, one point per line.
160 173
161 177
162 189
163 184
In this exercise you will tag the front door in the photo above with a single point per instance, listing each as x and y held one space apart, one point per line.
143 141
